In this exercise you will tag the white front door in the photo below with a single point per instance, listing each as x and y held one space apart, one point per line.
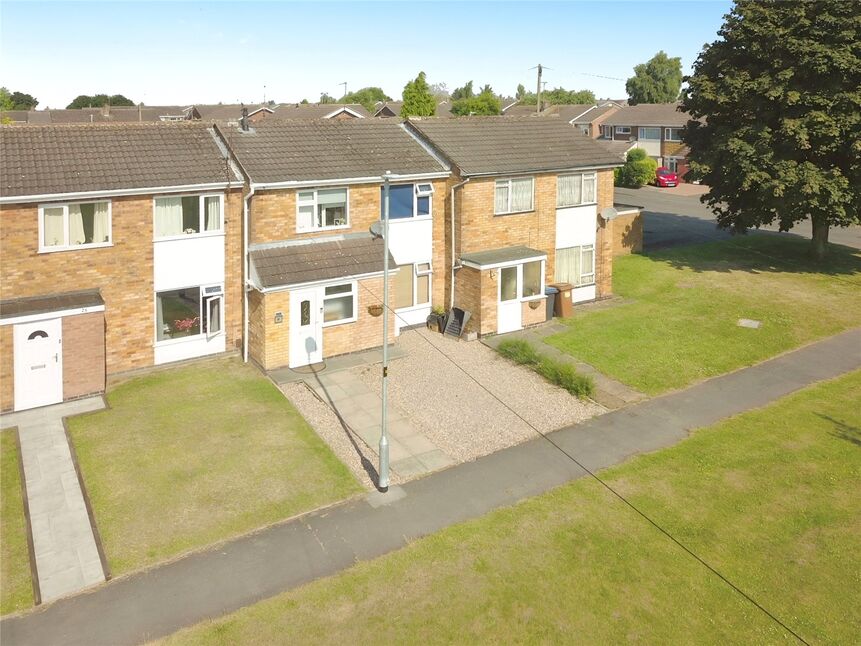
38 358
509 312
306 328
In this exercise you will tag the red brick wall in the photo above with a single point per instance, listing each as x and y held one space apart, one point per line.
7 369
83 354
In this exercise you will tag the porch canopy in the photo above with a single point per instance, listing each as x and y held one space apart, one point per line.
493 258
50 303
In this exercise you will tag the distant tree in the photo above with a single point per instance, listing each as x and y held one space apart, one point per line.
464 92
777 129
521 92
98 100
656 81
304 102
485 102
325 98
367 97
21 101
417 98
639 169
440 92
559 96
5 99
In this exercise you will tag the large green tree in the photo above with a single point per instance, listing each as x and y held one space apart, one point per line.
16 100
98 100
777 135
418 101
367 97
656 81
485 102
465 92
5 99
558 96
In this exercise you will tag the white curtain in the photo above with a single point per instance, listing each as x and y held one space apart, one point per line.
521 194
168 216
213 213
52 227
101 228
588 189
501 198
76 225
568 265
568 190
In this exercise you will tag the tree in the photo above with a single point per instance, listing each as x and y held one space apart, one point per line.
16 100
440 92
367 97
639 169
559 96
656 81
777 129
486 102
325 98
98 100
521 92
5 99
417 98
464 92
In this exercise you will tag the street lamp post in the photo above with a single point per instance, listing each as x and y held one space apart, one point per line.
384 440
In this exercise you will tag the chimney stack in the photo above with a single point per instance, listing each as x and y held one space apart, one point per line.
243 122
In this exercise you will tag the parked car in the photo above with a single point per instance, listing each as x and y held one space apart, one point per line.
665 177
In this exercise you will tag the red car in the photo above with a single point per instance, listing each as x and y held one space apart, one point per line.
665 177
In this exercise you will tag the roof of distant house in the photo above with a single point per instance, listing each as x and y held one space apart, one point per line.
319 259
619 148
520 110
499 145
648 114
226 112
107 114
319 110
278 151
391 108
71 159
570 111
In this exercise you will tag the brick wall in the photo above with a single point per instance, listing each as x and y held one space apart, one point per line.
367 331
257 327
83 354
535 316
7 369
627 234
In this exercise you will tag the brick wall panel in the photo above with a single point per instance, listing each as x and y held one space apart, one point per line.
7 369
83 354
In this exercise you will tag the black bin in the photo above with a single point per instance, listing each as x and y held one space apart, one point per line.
550 293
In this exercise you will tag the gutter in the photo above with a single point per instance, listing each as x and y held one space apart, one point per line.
119 192
453 247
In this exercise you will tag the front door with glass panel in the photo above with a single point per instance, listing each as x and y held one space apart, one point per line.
509 313
306 328
38 363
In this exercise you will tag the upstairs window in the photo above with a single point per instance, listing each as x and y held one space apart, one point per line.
653 134
673 134
513 195
573 190
322 209
407 201
188 215
74 226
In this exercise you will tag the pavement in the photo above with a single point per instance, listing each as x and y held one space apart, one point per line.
64 546
677 217
226 577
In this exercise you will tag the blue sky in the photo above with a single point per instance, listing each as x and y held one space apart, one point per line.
167 53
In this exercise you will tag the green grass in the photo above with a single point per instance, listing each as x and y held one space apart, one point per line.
16 587
556 372
769 498
189 456
680 327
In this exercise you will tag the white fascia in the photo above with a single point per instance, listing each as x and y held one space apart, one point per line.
121 192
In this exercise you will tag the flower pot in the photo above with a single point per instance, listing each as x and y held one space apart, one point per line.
375 310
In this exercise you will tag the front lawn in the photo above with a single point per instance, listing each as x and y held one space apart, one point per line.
191 455
769 498
16 587
681 326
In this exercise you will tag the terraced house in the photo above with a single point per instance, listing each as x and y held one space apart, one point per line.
126 246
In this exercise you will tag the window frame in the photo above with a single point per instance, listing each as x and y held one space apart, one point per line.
416 272
642 129
584 248
72 247
500 180
582 176
417 193
203 302
201 210
323 298
621 130
668 134
542 287
314 204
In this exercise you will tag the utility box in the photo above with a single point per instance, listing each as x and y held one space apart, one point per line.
564 306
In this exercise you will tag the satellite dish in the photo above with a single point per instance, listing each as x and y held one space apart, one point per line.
609 213
376 229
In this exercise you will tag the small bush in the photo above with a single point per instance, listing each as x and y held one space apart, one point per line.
556 372
639 169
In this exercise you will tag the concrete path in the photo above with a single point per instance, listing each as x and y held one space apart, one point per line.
160 601
67 559
609 393
359 410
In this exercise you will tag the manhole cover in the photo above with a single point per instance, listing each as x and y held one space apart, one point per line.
751 323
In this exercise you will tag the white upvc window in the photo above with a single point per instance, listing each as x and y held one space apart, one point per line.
74 226
514 195
649 133
412 285
574 190
185 215
576 265
623 130
189 313
673 164
339 304
321 209
673 134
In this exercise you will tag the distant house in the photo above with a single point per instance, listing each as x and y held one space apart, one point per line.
387 109
228 113
105 114
321 111
654 127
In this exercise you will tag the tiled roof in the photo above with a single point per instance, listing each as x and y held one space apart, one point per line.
619 148
221 112
298 150
123 114
316 110
499 145
39 160
648 114
569 111
49 303
315 260
520 110
501 255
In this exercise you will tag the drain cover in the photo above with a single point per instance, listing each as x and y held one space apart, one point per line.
754 325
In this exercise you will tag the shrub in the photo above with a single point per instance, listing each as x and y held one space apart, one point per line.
556 372
639 169
519 351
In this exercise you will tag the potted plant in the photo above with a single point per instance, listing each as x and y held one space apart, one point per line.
436 319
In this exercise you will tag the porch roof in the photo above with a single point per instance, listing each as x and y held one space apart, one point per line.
282 264
15 307
502 256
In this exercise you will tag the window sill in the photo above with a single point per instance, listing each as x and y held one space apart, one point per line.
340 227
414 218
412 308
532 210
570 206
186 339
537 297
77 247
191 236
340 322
